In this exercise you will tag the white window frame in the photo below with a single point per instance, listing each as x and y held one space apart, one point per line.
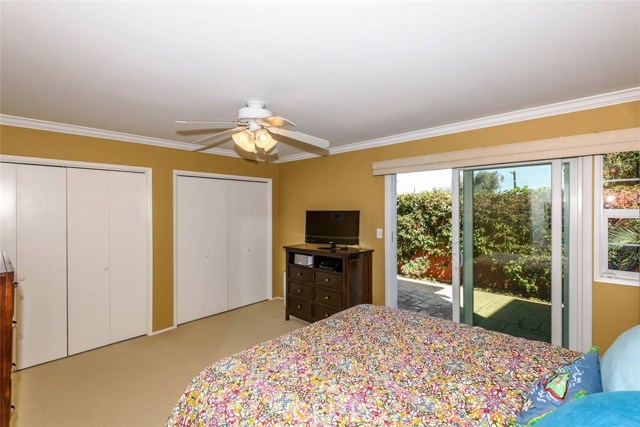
601 216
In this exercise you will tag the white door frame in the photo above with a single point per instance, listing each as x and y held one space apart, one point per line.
390 241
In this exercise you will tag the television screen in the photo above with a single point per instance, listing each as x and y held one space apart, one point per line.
337 227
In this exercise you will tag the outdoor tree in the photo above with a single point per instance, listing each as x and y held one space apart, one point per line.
489 182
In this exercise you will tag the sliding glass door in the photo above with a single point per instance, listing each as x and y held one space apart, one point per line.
512 245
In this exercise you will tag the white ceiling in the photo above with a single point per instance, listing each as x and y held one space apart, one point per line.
356 73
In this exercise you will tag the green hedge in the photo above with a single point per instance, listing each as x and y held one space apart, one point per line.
512 251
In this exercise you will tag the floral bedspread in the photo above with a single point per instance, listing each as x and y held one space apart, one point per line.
371 366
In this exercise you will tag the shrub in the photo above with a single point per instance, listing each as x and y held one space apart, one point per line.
415 268
512 238
424 225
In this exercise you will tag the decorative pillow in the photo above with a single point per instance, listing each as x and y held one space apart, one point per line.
619 365
563 384
616 408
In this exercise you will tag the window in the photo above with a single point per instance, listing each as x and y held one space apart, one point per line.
618 209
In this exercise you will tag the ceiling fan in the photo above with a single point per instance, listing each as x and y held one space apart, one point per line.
253 130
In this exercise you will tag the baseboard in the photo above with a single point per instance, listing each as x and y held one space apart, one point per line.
163 330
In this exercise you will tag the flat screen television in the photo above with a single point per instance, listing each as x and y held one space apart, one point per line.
334 227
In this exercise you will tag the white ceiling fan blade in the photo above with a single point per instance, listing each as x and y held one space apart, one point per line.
275 121
214 139
302 137
221 125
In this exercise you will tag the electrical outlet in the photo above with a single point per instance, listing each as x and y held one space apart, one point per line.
379 233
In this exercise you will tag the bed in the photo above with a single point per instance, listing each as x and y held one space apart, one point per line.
371 365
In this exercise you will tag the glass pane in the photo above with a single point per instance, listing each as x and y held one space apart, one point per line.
624 244
621 180
510 211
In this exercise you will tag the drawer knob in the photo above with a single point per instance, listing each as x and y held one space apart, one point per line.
326 315
299 274
298 290
327 280
299 306
327 297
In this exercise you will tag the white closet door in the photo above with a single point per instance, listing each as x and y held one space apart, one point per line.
248 238
216 257
128 254
191 247
201 247
8 221
88 252
8 210
41 264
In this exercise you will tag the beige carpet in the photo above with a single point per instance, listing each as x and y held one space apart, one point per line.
137 382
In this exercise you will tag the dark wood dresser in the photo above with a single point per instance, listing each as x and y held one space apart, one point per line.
323 282
6 336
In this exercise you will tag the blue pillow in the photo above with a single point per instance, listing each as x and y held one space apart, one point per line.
562 385
619 365
616 408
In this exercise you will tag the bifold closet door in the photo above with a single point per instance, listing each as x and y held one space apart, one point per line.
201 247
8 221
248 246
128 245
107 247
41 264
88 251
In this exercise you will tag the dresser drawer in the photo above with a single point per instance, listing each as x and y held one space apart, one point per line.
328 280
324 312
329 298
300 274
299 308
298 290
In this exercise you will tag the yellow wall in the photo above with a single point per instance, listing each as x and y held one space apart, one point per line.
345 181
33 143
615 309
342 181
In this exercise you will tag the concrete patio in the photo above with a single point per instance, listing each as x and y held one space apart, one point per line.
502 313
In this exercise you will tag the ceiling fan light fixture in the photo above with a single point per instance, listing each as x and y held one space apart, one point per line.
245 141
263 139
268 147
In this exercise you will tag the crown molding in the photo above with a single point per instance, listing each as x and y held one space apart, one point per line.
596 101
24 122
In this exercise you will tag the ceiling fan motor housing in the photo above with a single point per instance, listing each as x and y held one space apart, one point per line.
254 110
